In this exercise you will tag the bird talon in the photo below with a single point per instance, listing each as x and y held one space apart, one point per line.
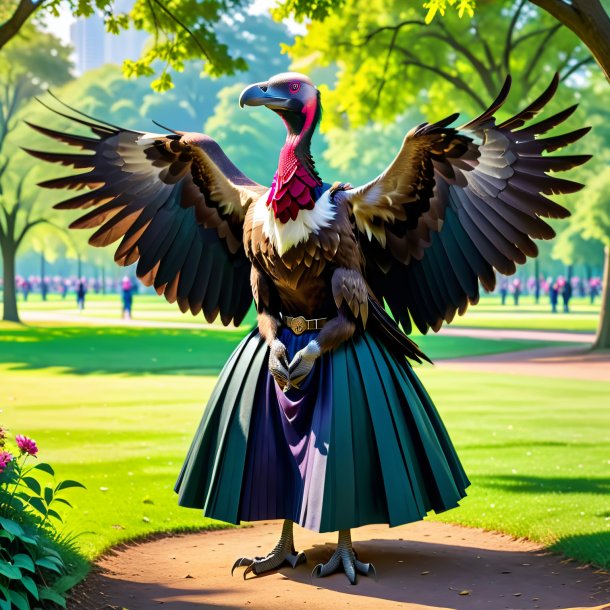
249 569
345 558
240 562
282 554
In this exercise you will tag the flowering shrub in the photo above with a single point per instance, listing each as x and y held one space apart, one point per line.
30 559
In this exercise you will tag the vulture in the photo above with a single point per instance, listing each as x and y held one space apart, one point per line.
318 418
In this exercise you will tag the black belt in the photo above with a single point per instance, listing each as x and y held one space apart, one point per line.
300 324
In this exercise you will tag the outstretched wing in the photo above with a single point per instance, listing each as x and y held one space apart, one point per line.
457 203
176 202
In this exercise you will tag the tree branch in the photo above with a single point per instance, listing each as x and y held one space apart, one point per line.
375 32
487 49
186 29
508 45
385 70
576 66
562 11
22 13
456 81
537 54
27 227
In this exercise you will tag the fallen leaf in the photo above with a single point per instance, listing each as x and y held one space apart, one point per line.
425 572
465 592
517 594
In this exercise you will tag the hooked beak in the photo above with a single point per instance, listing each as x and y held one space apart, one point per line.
259 95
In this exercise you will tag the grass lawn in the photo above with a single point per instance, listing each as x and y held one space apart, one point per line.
116 408
489 313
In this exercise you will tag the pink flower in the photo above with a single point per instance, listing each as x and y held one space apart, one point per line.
5 459
26 445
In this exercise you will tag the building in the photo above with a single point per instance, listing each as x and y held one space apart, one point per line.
94 47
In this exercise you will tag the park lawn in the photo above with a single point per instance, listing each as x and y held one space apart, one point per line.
489 313
94 349
119 417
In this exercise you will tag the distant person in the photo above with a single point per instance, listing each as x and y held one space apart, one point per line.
127 297
81 291
26 288
594 288
566 295
503 290
554 294
516 290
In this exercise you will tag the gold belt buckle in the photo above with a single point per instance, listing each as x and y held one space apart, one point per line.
298 325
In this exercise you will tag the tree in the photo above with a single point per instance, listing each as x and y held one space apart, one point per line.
181 30
32 62
389 60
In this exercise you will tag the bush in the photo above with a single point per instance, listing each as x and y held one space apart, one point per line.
34 556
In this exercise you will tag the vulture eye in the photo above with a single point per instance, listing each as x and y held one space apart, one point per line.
294 87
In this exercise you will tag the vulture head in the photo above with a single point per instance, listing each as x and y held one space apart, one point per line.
291 95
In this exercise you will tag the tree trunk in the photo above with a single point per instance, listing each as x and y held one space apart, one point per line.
10 313
602 339
589 21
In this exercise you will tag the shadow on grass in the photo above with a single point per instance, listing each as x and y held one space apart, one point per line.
584 546
533 484
111 350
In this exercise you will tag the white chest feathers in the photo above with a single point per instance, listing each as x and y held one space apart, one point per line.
286 235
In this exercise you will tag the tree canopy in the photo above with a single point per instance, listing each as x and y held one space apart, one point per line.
389 60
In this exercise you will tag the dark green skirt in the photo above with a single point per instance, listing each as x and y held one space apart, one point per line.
360 443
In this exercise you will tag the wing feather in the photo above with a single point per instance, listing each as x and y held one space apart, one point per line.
176 202
458 204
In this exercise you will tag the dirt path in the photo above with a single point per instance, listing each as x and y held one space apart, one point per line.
421 566
527 335
573 362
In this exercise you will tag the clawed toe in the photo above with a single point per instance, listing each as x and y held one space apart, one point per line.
282 554
344 557
273 561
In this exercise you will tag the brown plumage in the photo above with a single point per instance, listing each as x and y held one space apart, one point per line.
454 205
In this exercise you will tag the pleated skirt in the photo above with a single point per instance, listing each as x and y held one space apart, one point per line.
359 443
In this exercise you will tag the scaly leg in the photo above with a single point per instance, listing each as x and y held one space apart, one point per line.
344 557
282 553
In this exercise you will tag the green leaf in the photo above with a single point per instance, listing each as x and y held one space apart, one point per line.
32 484
8 535
31 586
5 595
24 562
20 601
55 515
52 552
48 564
11 527
52 596
45 468
58 561
5 604
64 502
48 495
68 484
10 571
39 505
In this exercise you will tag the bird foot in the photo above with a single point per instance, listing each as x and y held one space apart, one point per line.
282 554
344 558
